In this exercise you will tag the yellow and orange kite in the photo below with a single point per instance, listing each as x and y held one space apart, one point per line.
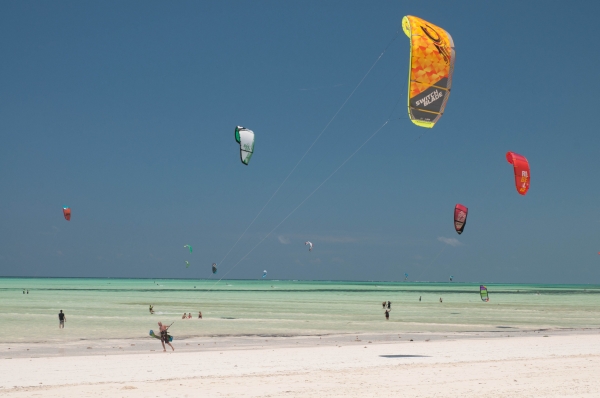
431 66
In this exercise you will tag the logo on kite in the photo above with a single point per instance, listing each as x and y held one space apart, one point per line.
460 218
189 247
214 268
264 275
245 138
67 213
431 66
310 245
483 292
522 172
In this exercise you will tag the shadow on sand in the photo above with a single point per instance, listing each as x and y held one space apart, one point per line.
404 356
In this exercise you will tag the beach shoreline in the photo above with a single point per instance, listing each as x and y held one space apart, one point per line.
545 363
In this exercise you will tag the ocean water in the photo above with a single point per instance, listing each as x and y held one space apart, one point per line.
118 308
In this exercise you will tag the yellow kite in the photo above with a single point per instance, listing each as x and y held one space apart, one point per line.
430 74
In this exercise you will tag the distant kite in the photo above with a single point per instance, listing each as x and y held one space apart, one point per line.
189 247
67 213
310 245
245 138
431 67
460 218
483 292
522 172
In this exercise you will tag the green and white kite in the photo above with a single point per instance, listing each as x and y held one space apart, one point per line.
245 138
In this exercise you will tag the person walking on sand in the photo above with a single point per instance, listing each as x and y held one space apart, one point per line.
164 337
387 315
61 320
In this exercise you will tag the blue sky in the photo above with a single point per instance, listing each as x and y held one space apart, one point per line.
126 111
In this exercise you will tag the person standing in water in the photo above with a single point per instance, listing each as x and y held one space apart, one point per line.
151 309
61 320
441 300
387 315
419 298
199 314
164 337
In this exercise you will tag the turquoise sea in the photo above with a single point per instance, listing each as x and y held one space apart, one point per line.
118 308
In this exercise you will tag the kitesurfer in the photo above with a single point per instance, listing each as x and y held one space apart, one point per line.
61 320
164 337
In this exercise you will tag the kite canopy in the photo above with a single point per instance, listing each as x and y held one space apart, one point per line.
189 247
214 268
310 245
264 274
460 218
522 172
67 213
245 138
483 293
430 72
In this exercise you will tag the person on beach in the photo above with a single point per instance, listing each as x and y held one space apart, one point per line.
419 298
190 315
387 315
61 320
199 314
184 316
383 305
441 301
151 309
164 337
389 305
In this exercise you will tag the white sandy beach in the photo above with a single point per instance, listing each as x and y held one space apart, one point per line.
455 365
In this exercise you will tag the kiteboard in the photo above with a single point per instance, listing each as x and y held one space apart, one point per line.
158 336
